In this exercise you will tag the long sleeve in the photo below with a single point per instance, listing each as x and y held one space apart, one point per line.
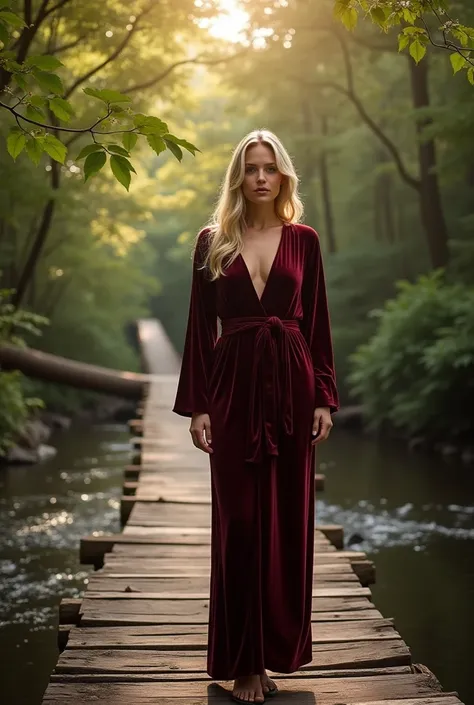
316 327
201 336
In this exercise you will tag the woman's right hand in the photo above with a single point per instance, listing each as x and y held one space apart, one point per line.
200 431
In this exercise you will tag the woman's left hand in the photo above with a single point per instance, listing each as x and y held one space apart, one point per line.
322 424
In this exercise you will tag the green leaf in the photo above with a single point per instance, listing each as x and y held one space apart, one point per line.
120 170
378 16
156 143
38 101
34 150
403 41
48 82
12 19
94 164
117 149
417 50
129 140
150 125
107 95
458 61
56 149
61 108
183 143
409 16
21 81
177 151
16 141
89 149
470 75
35 113
45 63
4 35
349 17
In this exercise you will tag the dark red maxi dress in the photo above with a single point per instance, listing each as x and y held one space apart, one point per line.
260 382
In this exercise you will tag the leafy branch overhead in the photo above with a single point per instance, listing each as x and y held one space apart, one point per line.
423 22
38 92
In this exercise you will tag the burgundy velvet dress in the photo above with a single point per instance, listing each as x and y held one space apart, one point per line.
260 382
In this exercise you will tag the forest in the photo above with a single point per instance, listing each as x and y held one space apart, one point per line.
116 129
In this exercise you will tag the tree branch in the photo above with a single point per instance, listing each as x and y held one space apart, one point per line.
112 56
169 69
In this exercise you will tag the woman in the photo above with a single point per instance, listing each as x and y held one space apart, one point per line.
260 397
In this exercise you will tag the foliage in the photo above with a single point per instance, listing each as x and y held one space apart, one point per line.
15 407
416 18
416 373
39 91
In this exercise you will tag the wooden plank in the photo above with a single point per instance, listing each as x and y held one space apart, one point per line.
324 691
155 569
199 587
107 615
69 610
79 677
341 656
194 636
192 551
350 597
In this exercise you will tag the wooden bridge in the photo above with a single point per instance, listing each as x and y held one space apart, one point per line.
138 636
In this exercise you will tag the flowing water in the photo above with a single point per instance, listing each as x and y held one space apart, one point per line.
413 514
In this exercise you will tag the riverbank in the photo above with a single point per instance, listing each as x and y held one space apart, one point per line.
353 418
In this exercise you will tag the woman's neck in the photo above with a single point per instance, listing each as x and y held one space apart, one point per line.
261 217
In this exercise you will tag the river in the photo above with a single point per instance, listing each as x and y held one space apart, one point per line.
413 514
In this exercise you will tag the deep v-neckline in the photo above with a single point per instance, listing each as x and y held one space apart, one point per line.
270 271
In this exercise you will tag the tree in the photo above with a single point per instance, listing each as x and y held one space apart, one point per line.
422 22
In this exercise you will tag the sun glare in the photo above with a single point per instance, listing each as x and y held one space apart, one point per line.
229 23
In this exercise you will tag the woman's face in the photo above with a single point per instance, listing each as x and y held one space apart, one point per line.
262 180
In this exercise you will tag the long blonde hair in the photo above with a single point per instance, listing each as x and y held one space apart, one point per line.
228 222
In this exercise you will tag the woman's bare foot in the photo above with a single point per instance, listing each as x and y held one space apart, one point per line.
249 689
267 683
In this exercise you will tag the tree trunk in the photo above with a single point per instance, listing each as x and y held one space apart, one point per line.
431 207
326 189
39 241
52 368
308 163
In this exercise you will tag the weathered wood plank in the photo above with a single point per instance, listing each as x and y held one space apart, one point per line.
194 636
69 610
105 615
323 691
131 662
85 677
143 569
198 588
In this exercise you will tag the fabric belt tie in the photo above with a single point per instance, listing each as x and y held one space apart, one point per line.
271 398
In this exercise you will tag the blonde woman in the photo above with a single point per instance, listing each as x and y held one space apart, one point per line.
260 398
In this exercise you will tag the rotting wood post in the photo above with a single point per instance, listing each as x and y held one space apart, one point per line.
63 635
136 426
365 571
132 472
319 482
70 610
130 488
334 533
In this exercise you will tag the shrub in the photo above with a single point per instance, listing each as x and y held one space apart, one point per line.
416 373
15 407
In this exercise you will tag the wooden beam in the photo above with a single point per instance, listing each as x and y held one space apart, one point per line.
69 610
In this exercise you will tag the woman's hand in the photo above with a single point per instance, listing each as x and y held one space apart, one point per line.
200 431
322 424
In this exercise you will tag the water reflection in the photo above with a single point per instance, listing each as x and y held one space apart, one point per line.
44 512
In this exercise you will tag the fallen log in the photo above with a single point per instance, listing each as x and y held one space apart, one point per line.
53 368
